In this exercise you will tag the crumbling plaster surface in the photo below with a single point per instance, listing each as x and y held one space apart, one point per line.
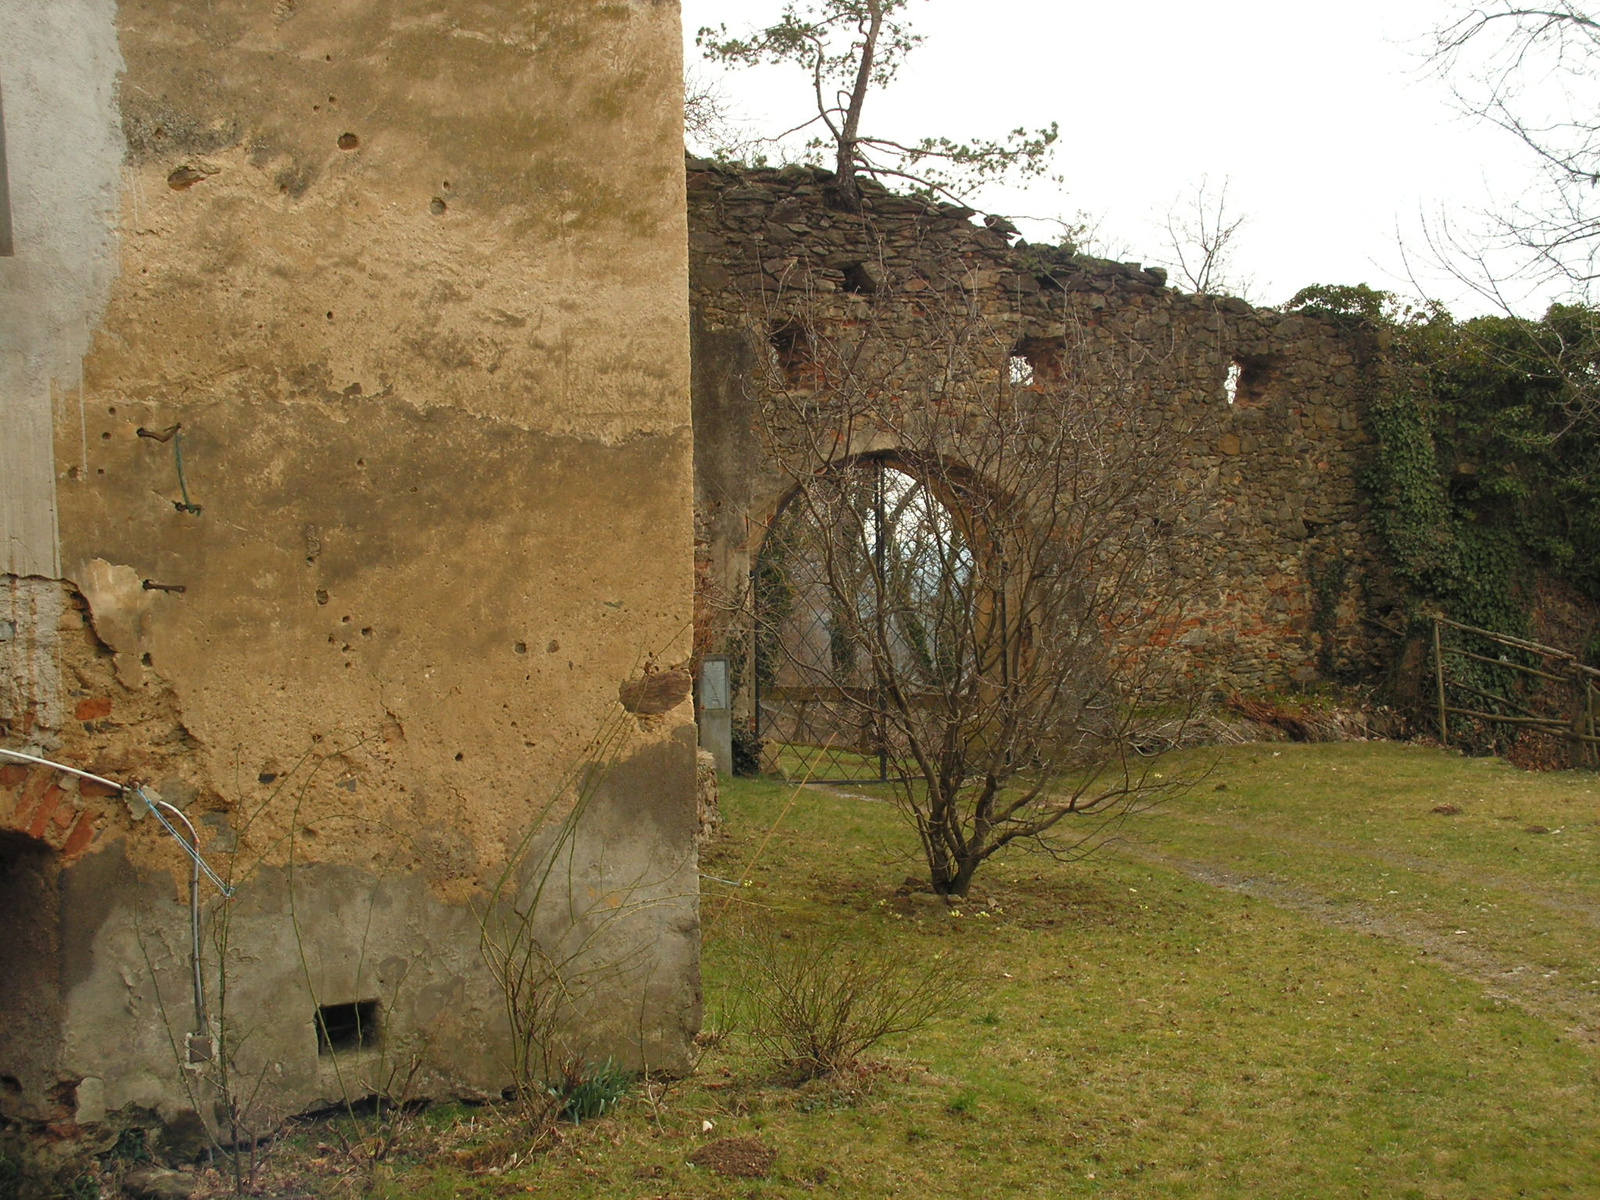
410 278
32 698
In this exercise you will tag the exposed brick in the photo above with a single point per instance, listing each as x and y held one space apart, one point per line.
47 809
39 782
80 837
93 708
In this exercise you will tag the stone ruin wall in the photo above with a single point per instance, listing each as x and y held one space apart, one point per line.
1279 536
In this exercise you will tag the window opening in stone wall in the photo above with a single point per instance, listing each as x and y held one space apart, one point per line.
1034 362
7 247
789 346
343 1027
1249 379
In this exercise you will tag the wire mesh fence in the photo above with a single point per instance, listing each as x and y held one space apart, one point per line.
818 734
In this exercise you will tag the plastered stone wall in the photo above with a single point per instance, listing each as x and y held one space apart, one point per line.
1277 538
349 508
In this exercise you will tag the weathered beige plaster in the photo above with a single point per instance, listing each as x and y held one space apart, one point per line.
404 285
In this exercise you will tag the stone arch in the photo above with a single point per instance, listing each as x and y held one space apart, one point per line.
768 506
900 524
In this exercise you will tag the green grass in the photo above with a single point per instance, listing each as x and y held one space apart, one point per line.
1506 891
1260 993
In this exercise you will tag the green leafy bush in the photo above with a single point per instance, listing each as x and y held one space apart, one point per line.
747 749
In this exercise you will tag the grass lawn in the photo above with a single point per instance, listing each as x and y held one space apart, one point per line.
1299 980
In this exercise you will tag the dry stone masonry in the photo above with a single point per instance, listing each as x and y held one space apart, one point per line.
1277 532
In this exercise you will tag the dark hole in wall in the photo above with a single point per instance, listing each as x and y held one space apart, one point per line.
1251 380
859 280
1034 362
790 346
352 1026
30 973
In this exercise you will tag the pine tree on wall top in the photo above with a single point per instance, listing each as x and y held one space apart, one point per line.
849 49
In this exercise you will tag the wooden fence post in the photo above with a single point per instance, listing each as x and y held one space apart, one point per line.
1438 671
1589 703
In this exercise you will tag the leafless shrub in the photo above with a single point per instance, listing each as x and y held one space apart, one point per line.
815 1005
550 942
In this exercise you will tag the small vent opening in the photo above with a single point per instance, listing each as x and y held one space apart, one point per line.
343 1027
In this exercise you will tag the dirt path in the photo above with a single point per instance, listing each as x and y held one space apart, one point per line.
1542 993
1569 904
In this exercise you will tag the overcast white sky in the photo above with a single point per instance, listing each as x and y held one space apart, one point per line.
1334 138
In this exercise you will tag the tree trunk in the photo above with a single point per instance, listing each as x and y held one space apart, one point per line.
846 193
956 878
843 194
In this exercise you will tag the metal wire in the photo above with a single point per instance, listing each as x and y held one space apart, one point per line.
62 767
191 846
183 486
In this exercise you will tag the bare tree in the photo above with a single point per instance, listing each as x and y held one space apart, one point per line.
1534 72
1200 232
848 48
711 124
976 574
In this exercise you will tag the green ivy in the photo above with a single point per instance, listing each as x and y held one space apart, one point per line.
1487 469
1411 500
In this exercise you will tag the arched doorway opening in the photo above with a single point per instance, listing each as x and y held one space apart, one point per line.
863 593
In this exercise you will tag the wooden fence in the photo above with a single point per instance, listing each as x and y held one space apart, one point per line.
1564 702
